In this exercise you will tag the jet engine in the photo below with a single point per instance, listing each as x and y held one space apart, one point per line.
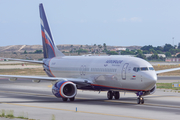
64 89
151 91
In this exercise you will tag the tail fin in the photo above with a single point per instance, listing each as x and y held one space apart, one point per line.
49 48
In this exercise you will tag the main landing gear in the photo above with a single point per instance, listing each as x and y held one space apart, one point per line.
140 99
110 95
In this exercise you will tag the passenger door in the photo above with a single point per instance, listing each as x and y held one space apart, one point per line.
124 68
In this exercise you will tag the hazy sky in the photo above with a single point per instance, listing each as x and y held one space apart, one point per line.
114 22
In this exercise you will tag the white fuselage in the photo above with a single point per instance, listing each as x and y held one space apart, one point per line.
111 72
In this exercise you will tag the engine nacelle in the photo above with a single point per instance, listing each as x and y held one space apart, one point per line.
151 91
64 89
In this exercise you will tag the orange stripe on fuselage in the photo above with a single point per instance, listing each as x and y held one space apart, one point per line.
50 69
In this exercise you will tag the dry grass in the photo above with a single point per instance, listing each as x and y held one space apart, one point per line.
162 67
33 71
167 86
19 64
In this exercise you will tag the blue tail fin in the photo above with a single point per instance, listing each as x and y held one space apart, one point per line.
49 47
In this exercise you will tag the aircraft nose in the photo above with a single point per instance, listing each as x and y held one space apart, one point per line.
151 80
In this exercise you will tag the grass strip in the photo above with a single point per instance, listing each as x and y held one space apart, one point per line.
166 86
10 114
26 71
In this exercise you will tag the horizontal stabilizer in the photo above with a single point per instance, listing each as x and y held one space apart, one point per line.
22 60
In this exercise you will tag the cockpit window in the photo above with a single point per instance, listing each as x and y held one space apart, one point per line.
144 68
151 68
136 69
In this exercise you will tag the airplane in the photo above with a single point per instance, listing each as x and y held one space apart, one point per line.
113 73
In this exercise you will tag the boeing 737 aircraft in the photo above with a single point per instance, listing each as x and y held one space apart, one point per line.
96 73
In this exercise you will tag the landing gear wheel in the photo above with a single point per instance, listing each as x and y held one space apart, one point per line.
140 100
116 95
71 99
110 95
64 99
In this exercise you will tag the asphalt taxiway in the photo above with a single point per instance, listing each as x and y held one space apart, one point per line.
168 79
36 101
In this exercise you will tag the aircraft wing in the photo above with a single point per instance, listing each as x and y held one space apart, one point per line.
77 81
22 60
167 70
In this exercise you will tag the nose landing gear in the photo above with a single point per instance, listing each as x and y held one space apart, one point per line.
140 99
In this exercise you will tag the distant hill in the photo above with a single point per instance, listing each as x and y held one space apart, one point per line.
17 51
32 48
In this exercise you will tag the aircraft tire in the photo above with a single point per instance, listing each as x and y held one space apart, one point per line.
71 99
138 101
116 95
142 101
64 99
110 95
